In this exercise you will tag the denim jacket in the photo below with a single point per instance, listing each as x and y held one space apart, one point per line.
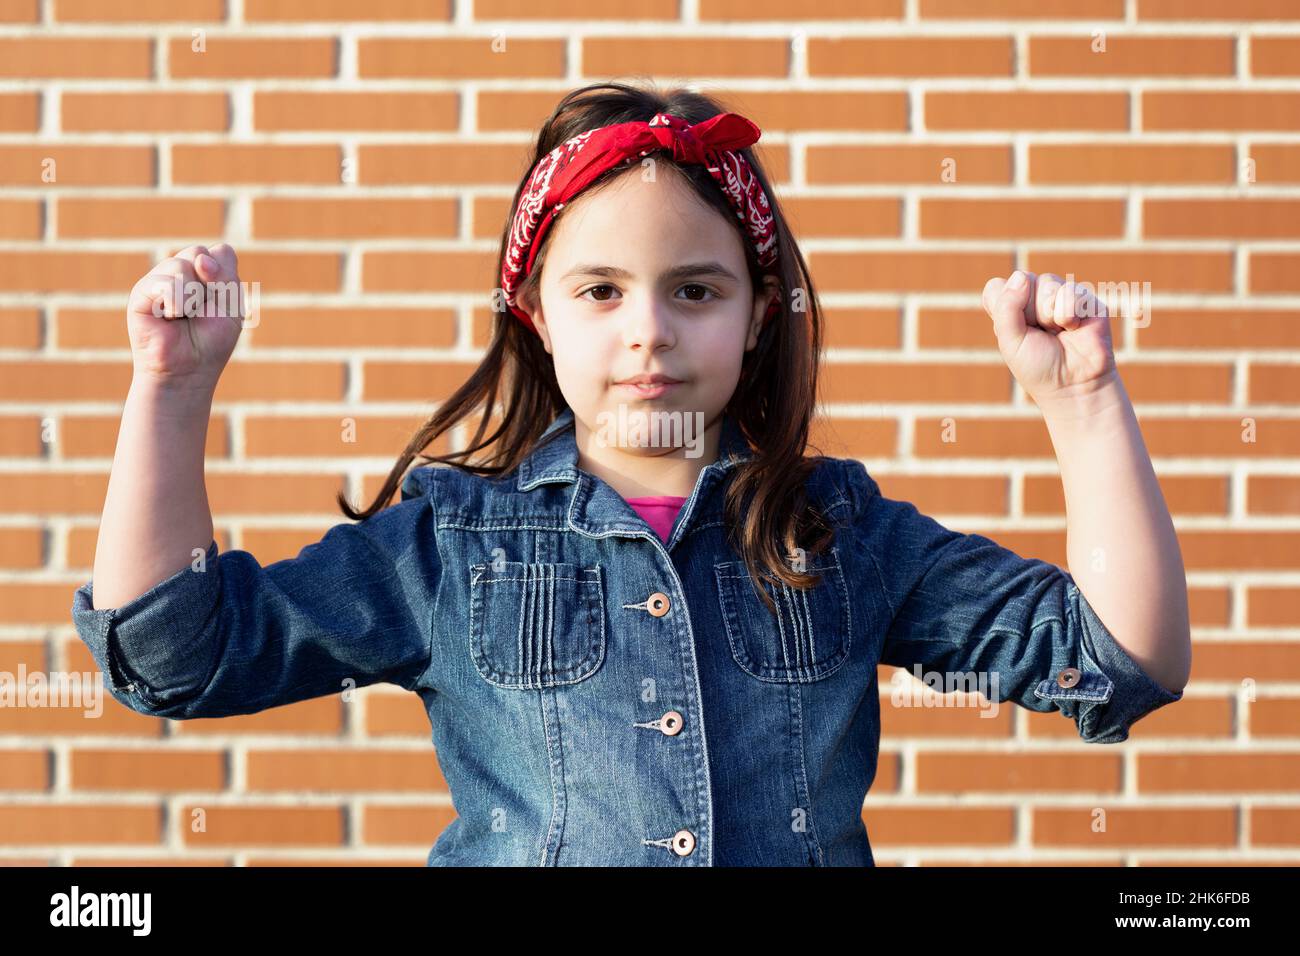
599 696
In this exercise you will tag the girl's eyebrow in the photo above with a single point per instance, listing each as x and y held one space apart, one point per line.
715 269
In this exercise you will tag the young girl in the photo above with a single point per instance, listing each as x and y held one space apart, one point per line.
639 650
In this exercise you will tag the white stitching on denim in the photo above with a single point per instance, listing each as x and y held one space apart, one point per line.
532 671
792 599
550 761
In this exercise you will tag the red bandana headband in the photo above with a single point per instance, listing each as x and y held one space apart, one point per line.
573 165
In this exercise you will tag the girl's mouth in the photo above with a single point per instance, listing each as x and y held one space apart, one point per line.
654 390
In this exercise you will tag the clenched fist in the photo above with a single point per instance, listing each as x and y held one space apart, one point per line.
185 316
1054 335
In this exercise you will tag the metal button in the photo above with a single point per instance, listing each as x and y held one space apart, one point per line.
671 723
1069 677
658 604
683 842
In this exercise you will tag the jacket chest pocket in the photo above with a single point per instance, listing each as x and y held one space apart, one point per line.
534 625
807 639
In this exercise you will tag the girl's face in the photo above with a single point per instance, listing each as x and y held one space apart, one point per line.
645 278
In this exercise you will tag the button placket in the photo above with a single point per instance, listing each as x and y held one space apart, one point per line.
670 724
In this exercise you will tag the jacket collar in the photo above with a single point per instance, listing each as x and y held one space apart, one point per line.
556 459
596 509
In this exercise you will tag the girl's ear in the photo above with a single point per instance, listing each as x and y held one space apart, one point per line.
769 297
535 313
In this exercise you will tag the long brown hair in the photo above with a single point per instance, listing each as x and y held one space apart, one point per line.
768 514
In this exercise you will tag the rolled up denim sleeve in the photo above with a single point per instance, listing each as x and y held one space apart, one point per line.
227 635
963 604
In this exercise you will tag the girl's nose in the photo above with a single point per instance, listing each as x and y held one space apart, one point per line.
647 323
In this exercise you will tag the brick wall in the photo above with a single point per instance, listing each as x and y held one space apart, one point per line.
360 156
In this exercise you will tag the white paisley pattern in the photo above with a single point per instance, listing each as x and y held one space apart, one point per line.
532 204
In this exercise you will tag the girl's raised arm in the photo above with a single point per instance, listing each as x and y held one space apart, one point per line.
182 631
156 511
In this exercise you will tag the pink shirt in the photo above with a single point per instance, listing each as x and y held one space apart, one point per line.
659 512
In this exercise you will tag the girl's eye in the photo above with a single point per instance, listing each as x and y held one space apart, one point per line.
594 288
703 288
691 285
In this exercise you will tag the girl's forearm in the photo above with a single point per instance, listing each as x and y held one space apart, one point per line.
1122 549
156 508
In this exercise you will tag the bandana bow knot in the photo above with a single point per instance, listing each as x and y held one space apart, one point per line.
692 143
